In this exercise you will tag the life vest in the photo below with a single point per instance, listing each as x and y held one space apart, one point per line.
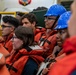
38 33
70 45
3 69
48 43
39 29
68 64
8 43
3 50
65 66
17 60
49 62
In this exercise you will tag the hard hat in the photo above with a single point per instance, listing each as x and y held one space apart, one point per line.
62 21
55 10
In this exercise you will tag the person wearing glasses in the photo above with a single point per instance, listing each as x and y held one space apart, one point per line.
26 55
62 34
48 40
9 23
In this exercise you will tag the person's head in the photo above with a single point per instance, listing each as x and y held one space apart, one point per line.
62 26
72 20
52 15
29 20
19 15
23 36
9 23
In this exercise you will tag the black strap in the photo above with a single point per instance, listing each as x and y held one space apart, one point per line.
28 48
6 48
10 67
45 40
48 41
55 22
42 39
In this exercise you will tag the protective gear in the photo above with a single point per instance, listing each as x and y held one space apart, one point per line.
38 30
55 10
3 50
38 34
69 47
58 68
48 43
62 21
3 54
7 43
3 69
14 61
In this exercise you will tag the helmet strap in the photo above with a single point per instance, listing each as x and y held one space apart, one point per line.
55 22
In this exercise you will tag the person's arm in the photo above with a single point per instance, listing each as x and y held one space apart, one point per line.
45 71
56 50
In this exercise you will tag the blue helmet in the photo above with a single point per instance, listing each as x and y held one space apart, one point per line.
62 21
55 10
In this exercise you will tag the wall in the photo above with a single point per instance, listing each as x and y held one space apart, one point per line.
13 5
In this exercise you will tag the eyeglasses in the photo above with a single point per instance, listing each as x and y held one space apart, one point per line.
49 18
3 26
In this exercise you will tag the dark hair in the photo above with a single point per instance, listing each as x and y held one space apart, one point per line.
40 8
11 20
31 17
26 34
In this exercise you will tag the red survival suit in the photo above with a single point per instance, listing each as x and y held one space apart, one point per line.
68 64
38 33
14 61
48 43
3 69
7 43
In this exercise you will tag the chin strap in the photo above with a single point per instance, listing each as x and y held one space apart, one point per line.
55 22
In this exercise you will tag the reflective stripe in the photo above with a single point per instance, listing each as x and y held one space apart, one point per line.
35 47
